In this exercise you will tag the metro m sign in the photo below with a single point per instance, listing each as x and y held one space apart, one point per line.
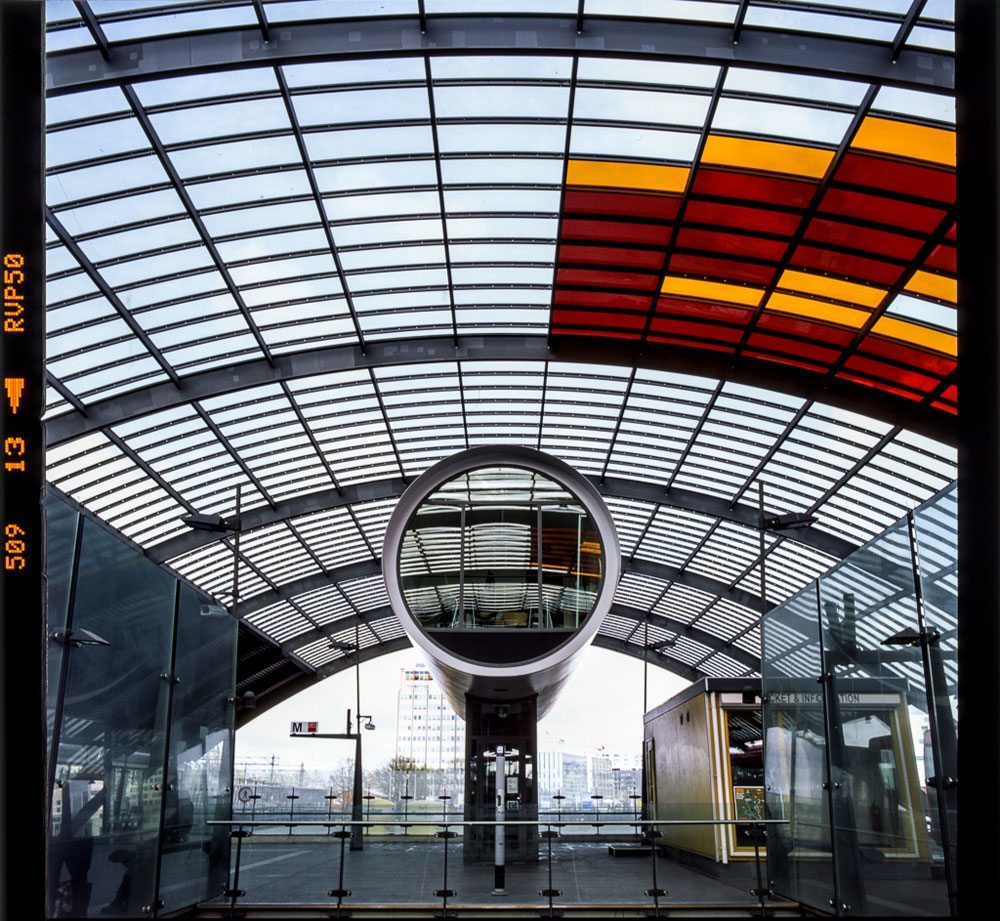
304 728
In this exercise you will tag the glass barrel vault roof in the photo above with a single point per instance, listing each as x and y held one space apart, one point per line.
566 225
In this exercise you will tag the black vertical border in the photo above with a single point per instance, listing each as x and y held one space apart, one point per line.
979 456
22 351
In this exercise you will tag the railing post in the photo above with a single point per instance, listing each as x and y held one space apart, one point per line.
235 892
761 889
292 797
340 892
656 891
550 893
330 797
444 893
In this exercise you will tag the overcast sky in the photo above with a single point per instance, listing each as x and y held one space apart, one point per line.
601 704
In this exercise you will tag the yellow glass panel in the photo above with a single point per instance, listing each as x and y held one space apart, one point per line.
917 335
771 156
849 291
646 176
939 286
917 142
818 310
712 291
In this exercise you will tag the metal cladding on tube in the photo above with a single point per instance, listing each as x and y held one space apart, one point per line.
501 563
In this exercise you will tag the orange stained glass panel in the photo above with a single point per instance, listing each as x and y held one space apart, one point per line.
616 175
904 139
817 310
933 285
767 156
834 288
915 334
712 290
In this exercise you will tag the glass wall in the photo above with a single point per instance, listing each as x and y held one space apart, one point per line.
859 680
140 672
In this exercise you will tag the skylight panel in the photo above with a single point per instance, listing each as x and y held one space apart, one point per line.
67 39
673 535
351 143
689 10
792 20
498 137
160 266
151 236
486 253
89 142
933 106
639 591
794 85
105 179
495 201
725 619
376 175
404 280
774 119
936 39
232 156
345 106
632 143
363 207
244 189
361 71
174 23
532 227
550 7
640 106
86 104
219 120
509 67
482 102
222 83
263 217
105 382
335 9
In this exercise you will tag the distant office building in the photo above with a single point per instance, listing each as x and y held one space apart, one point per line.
428 732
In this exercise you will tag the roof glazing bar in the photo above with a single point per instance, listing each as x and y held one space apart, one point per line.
906 27
94 28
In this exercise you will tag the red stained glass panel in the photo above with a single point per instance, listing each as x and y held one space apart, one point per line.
723 312
793 347
897 176
660 207
898 375
905 355
878 385
864 238
611 255
731 244
696 330
784 360
882 273
616 231
606 299
743 187
945 258
601 278
742 217
881 210
805 329
730 269
670 340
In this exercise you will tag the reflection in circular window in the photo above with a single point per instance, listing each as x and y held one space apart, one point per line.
500 549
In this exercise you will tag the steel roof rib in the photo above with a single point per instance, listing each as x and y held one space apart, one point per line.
382 236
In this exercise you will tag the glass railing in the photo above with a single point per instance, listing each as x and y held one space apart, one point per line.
610 863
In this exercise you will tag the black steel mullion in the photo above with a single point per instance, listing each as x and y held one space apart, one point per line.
618 423
119 443
579 17
906 27
570 104
741 14
388 424
541 405
195 217
109 294
309 434
361 531
709 406
645 530
778 442
930 244
265 28
59 387
808 213
357 613
94 28
663 594
465 412
440 192
422 14
317 196
247 472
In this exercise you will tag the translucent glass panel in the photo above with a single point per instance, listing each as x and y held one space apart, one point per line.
884 730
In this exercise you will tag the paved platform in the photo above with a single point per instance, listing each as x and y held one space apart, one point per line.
284 870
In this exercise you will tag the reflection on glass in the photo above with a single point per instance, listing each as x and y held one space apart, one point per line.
501 549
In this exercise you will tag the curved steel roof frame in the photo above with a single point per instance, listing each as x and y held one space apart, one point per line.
687 257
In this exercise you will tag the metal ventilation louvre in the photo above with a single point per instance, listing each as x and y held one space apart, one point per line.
314 267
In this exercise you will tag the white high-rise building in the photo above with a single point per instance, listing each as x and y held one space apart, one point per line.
428 732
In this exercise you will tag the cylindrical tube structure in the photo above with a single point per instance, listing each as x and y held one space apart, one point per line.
501 563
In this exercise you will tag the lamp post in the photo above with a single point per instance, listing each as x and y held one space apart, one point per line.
219 525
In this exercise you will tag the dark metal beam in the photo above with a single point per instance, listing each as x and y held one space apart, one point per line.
906 27
893 410
265 28
94 28
767 49
636 490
